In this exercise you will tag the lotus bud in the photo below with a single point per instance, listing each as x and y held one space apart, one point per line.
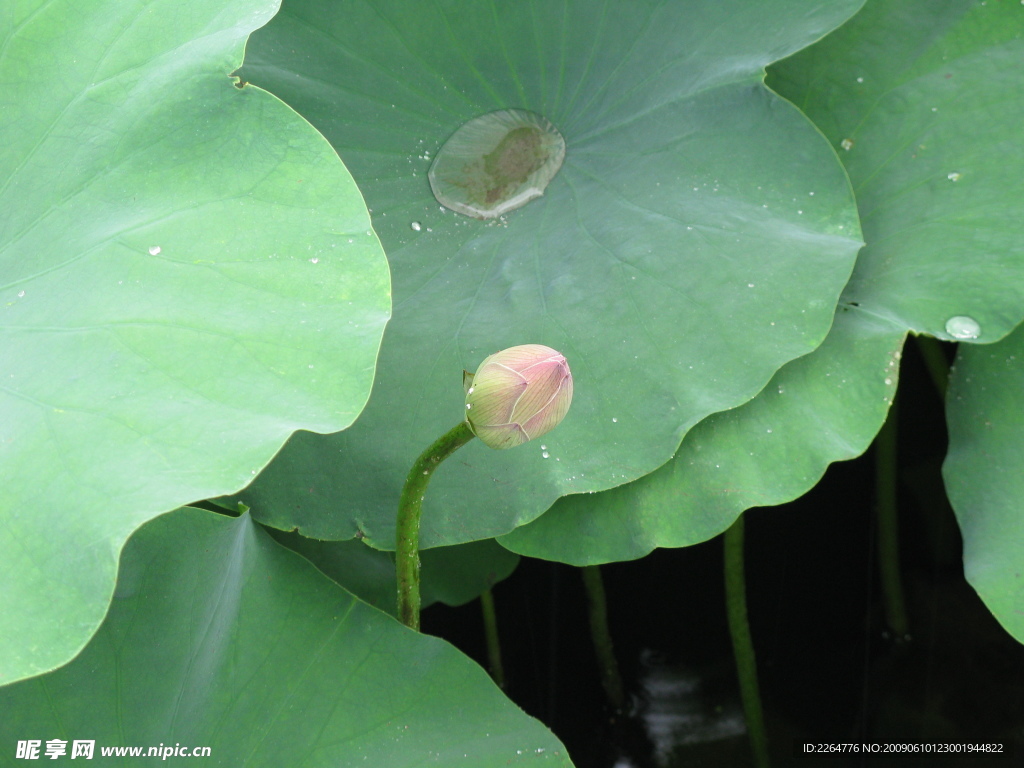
517 394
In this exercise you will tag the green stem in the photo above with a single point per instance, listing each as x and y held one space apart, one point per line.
888 528
742 644
935 361
493 643
410 507
610 677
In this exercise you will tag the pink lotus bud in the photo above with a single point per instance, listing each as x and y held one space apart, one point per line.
518 394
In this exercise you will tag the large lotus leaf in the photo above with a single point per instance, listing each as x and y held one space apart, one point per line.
696 237
816 410
933 252
450 575
219 637
186 276
929 95
984 472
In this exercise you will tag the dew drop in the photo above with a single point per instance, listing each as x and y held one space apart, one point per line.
888 382
543 447
468 406
846 144
545 455
614 420
963 327
314 260
953 176
21 294
154 250
496 163
415 226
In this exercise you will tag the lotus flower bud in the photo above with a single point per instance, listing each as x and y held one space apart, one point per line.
518 394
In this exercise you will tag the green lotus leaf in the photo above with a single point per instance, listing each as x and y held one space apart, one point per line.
937 251
816 410
984 472
219 637
696 237
450 575
927 98
187 275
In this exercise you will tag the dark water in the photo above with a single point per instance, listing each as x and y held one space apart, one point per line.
830 669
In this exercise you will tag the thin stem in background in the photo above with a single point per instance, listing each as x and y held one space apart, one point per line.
935 361
410 508
493 643
611 680
554 638
742 644
888 528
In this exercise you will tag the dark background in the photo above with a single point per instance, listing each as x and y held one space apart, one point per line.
829 668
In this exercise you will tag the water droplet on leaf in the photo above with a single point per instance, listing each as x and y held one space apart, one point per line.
496 163
154 250
963 327
415 226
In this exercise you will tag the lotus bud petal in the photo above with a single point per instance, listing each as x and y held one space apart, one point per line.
517 394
